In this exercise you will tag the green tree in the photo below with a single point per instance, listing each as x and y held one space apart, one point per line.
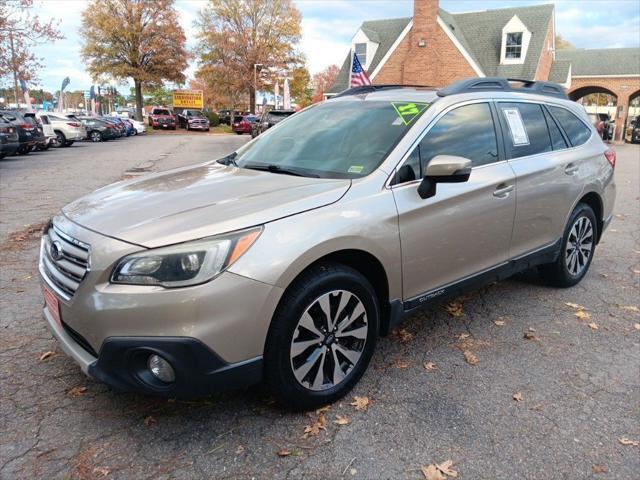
236 35
136 39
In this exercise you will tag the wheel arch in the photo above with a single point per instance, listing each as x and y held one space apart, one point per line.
594 200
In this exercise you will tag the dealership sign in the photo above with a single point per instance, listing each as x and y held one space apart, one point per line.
188 99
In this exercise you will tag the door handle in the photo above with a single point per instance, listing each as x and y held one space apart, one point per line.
503 190
571 169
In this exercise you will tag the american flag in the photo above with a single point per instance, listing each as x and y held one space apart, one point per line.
358 76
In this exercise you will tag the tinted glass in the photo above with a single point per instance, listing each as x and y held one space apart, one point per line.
577 131
466 132
334 139
161 111
535 126
557 140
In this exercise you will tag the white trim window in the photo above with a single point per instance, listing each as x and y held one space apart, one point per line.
513 47
361 52
515 42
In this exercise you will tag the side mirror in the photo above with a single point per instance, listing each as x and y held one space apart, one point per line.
444 169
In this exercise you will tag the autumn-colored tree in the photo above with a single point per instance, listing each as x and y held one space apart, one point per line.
20 31
137 39
237 35
562 43
324 80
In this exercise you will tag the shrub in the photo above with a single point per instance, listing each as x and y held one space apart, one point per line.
214 120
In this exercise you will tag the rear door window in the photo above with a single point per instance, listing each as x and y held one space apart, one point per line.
577 131
525 128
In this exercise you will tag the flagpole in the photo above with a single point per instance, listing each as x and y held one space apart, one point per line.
350 68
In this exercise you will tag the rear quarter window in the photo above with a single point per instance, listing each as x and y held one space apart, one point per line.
575 129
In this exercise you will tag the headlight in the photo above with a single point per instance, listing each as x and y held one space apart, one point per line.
184 264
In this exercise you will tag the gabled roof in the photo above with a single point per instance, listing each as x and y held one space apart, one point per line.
479 33
383 32
606 61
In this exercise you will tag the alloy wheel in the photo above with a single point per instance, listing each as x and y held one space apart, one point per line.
96 137
579 246
329 340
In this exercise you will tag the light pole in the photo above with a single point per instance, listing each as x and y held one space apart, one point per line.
255 85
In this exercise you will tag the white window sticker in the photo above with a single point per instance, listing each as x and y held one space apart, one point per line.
516 127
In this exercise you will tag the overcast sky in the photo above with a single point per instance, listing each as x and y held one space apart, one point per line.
328 25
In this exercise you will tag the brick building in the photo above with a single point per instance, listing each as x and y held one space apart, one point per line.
435 48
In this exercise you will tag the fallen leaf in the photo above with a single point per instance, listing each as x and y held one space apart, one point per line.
283 452
470 357
627 441
315 427
353 471
599 469
575 306
593 325
342 420
636 271
429 366
239 450
324 409
400 363
517 396
454 309
500 323
77 391
582 315
46 355
604 275
462 336
148 421
445 467
432 473
529 335
636 326
404 335
360 403
631 308
102 471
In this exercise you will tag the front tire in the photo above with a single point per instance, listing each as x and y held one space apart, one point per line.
95 136
60 139
578 247
322 337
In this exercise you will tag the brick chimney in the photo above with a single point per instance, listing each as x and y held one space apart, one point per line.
422 37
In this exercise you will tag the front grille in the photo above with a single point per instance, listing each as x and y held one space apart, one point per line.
64 261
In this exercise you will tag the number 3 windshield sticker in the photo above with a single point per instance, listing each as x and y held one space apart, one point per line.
516 127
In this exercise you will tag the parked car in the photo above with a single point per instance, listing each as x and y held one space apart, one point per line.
98 130
244 124
139 126
269 119
29 135
45 130
65 130
285 260
117 126
225 116
160 117
9 142
193 120
632 135
130 129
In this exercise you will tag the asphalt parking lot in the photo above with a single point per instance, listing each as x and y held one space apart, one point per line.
507 382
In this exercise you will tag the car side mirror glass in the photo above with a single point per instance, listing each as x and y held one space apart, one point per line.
444 169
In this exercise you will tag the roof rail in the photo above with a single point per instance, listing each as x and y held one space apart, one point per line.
373 88
469 85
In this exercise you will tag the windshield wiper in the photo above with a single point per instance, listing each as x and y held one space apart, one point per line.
278 169
229 159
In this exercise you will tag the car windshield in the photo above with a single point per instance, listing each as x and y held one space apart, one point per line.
161 111
340 139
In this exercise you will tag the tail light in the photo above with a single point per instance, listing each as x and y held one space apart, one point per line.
26 125
73 124
611 157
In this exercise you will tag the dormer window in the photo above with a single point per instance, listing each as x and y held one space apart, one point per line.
514 45
515 42
361 52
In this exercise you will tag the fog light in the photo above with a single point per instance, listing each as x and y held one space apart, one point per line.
161 369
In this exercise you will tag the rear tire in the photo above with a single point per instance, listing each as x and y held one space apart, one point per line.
322 337
95 136
69 143
60 140
578 248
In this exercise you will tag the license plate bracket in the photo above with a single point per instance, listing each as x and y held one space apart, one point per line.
53 304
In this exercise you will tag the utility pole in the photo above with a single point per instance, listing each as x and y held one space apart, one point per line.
15 69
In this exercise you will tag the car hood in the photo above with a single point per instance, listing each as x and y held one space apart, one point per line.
198 201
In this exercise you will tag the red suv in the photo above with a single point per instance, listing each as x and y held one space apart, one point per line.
161 117
245 125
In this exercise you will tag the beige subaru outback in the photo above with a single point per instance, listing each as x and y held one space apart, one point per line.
286 260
